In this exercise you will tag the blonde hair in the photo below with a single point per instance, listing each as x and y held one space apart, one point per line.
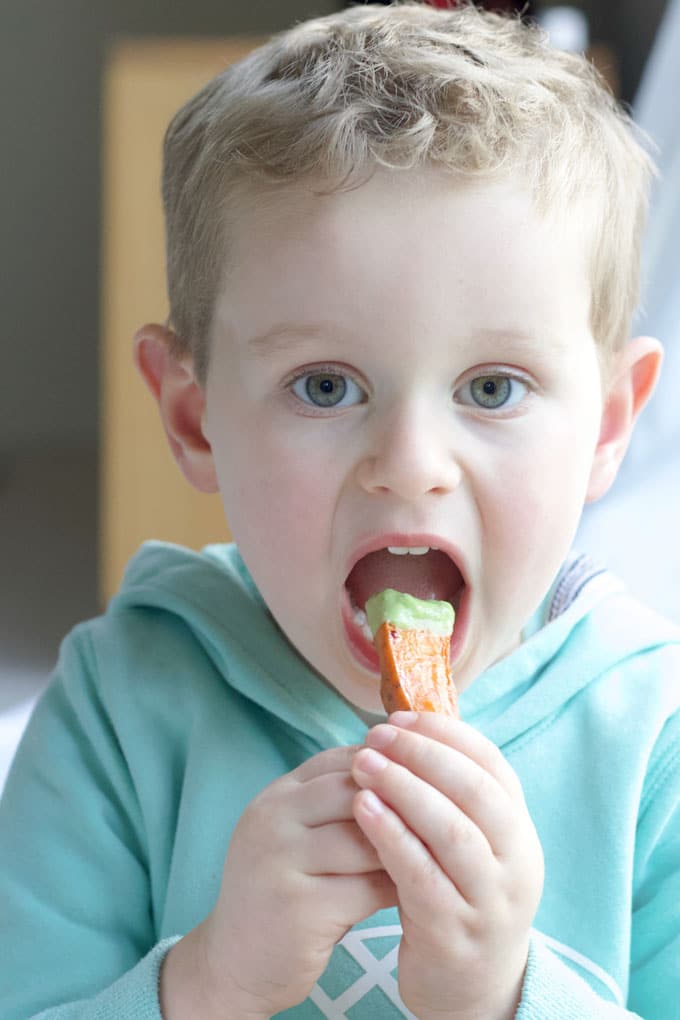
328 101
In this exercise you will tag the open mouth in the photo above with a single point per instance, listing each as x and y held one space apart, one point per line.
421 571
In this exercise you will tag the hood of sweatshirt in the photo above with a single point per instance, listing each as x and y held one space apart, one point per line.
582 628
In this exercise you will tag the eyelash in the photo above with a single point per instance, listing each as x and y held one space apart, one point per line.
490 372
335 371
493 372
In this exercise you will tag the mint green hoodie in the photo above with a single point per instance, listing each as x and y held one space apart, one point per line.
166 715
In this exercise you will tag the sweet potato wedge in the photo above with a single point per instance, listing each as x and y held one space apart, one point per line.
412 638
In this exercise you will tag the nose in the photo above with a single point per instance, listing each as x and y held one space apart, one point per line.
410 455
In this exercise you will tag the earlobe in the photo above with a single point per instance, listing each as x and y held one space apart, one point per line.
632 383
181 402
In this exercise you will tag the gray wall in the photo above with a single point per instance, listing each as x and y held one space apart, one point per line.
51 54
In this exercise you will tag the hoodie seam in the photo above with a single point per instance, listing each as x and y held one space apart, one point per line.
660 774
296 704
550 719
519 743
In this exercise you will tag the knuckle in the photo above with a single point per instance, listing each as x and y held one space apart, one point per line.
493 759
498 765
483 786
424 880
430 872
420 754
264 815
257 816
458 829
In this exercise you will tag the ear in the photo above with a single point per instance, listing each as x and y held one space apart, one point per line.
633 378
181 402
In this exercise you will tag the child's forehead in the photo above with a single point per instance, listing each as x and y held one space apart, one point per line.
403 253
312 214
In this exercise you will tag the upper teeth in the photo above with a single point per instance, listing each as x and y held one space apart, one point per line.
413 550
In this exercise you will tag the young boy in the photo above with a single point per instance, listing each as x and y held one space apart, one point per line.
402 260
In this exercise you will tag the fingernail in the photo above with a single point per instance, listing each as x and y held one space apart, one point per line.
381 736
404 719
369 761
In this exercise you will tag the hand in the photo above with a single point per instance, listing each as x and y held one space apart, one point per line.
446 815
298 874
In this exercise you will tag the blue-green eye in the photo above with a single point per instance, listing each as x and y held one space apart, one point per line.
327 389
493 391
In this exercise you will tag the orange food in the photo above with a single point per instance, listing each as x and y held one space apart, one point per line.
415 670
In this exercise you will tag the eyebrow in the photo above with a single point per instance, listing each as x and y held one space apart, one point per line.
516 341
511 336
284 335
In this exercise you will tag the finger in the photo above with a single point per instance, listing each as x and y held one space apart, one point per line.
335 759
466 739
326 798
462 780
340 848
358 896
450 836
426 893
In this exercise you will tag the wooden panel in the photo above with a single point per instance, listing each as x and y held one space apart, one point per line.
142 493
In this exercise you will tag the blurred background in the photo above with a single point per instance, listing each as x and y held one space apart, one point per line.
66 273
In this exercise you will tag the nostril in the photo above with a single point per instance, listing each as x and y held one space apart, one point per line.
409 477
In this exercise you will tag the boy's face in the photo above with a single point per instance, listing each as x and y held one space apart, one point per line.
409 364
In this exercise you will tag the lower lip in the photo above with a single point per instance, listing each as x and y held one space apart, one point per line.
364 652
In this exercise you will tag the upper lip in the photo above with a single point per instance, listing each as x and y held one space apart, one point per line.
408 540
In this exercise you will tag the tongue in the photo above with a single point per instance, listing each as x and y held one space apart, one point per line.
431 576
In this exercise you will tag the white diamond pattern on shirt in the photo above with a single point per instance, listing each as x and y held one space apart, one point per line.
376 976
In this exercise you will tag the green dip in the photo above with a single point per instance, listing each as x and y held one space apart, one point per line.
409 613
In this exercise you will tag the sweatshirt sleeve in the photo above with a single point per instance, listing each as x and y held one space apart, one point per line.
76 919
133 997
552 989
655 938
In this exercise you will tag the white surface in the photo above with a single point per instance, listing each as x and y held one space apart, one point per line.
567 27
12 724
632 533
634 530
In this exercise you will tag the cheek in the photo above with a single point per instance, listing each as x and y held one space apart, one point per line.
534 504
274 494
